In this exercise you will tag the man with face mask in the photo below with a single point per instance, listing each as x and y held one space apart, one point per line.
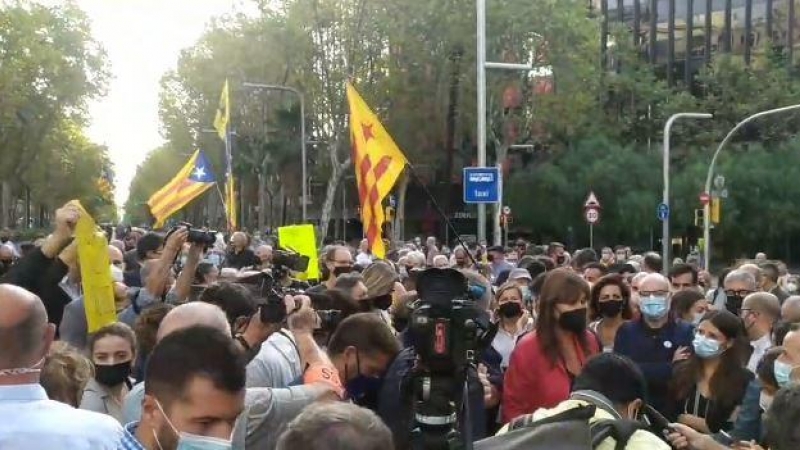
759 313
194 392
615 386
655 341
30 419
361 349
738 284
337 261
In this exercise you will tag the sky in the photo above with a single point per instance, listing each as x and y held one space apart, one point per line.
143 39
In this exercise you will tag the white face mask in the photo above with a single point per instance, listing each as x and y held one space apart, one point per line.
765 401
791 287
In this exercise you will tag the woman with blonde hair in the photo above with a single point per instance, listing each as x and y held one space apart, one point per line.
65 373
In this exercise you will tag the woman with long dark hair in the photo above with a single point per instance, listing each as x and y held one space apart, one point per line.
545 361
709 385
610 307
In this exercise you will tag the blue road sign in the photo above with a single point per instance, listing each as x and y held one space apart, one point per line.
662 211
481 185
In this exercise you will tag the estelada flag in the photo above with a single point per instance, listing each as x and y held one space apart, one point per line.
193 179
378 162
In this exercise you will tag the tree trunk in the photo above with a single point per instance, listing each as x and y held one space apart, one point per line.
282 204
262 200
5 199
399 227
330 197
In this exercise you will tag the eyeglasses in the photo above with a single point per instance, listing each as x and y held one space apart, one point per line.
653 293
739 293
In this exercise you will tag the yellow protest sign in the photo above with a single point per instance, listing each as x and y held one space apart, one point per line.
98 290
301 239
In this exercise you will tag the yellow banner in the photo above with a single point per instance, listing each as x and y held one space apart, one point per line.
301 239
98 289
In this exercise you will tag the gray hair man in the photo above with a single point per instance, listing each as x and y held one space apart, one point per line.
336 426
738 284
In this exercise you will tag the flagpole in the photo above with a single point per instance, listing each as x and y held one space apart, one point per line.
229 212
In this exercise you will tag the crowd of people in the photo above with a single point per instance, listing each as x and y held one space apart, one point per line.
220 346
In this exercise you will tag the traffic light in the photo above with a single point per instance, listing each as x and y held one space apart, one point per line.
698 217
716 206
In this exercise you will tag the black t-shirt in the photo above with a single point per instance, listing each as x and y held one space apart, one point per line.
245 258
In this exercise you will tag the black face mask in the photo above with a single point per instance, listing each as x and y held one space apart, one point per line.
573 321
382 301
337 271
5 265
733 303
112 375
400 324
610 308
510 310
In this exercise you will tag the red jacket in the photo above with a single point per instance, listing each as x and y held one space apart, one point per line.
532 382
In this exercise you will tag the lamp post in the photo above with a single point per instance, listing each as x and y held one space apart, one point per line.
304 182
665 238
707 207
482 65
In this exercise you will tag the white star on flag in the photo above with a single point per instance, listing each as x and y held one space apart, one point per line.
200 172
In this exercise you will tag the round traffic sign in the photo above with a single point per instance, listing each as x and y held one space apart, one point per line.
506 210
592 215
705 198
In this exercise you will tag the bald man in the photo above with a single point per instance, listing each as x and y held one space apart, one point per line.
759 313
73 328
240 255
790 310
267 411
30 419
654 341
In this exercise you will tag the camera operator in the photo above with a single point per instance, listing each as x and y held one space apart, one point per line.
278 363
241 309
337 261
158 277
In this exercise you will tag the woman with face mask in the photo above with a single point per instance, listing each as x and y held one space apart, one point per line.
512 321
610 308
689 306
708 386
112 349
545 362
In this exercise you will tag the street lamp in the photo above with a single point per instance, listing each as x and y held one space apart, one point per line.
304 186
666 243
707 207
481 80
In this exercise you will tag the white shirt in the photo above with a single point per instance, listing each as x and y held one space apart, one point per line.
277 364
31 421
504 342
363 259
759 348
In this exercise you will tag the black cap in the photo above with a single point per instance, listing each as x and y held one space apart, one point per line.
496 248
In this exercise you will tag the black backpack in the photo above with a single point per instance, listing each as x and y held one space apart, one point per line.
569 430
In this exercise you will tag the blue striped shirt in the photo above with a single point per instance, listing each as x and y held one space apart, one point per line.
129 441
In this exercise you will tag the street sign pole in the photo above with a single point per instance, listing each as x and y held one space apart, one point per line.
591 235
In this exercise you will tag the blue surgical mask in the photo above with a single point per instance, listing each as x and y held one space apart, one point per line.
654 307
189 441
705 347
783 373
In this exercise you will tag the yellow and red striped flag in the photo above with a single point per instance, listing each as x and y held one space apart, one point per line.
192 180
378 163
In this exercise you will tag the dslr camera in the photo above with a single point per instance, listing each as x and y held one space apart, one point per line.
196 235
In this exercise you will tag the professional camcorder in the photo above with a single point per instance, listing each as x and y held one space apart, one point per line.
448 330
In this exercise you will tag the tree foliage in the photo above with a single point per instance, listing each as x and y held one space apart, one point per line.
50 68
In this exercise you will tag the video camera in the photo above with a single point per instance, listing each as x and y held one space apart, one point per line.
448 330
285 260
